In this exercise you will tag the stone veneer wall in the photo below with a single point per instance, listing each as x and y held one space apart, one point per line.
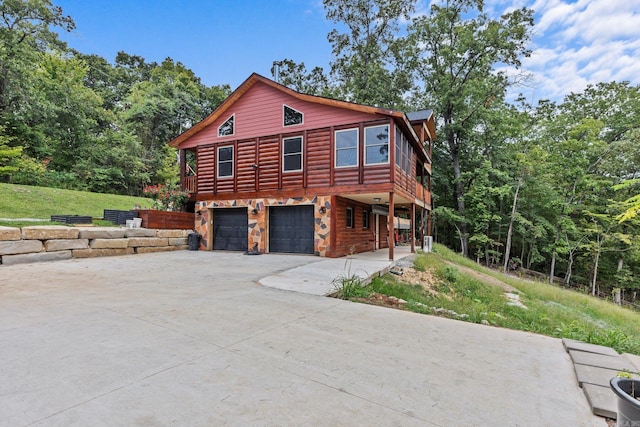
258 222
51 243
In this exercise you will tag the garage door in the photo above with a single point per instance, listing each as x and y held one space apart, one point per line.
291 229
230 229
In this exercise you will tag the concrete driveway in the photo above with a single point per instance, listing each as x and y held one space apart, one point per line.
190 338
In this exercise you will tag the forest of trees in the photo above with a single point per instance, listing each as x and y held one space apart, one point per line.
551 187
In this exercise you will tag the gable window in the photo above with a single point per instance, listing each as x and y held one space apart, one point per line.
376 145
225 162
346 148
365 219
291 116
349 217
292 154
227 127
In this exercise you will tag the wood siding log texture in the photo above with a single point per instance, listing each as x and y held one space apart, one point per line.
206 159
245 159
259 112
269 168
319 143
356 239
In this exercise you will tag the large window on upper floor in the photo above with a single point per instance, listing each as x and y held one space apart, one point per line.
346 142
292 154
376 145
225 162
403 152
291 116
227 128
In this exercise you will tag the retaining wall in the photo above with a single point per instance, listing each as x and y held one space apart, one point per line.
52 243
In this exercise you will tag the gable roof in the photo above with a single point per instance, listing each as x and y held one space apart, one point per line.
254 78
416 118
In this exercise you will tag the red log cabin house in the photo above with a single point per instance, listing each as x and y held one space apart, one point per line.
275 170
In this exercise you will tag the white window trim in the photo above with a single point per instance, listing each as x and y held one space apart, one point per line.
365 219
233 162
301 154
294 109
365 146
335 148
234 126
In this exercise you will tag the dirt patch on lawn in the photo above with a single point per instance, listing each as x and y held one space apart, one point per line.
426 279
410 275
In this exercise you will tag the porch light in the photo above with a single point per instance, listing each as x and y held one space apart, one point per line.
376 199
254 211
323 209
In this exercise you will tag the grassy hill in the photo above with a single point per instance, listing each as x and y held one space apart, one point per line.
23 201
446 284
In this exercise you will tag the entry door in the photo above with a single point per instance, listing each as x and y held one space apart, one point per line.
230 229
291 229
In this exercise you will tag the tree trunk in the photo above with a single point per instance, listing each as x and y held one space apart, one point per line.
507 249
617 296
595 269
567 277
486 256
458 195
553 259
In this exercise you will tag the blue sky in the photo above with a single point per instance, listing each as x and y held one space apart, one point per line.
223 41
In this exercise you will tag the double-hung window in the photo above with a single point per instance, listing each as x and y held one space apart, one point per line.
292 154
346 148
376 145
225 162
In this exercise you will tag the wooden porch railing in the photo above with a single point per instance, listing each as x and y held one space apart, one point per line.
189 183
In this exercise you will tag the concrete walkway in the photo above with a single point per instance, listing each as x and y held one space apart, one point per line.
595 365
319 277
190 338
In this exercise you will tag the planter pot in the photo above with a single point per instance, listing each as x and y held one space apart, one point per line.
167 220
628 392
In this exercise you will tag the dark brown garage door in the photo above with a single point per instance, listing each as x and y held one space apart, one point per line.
230 229
291 229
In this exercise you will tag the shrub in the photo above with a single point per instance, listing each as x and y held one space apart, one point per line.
166 197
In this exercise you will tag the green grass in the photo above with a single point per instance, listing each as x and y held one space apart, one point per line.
23 201
551 310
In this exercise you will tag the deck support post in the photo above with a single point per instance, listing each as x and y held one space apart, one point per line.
412 228
392 234
183 167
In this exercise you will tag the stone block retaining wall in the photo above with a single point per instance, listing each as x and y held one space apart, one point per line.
51 243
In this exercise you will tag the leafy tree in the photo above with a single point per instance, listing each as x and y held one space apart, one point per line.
159 109
367 66
457 48
8 155
25 31
295 76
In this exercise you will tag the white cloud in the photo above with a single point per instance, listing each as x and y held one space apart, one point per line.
582 42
